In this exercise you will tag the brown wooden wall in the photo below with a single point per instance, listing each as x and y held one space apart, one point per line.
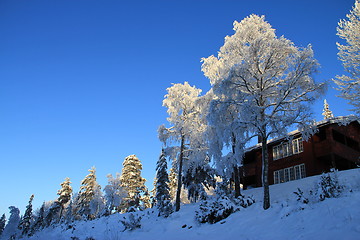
334 144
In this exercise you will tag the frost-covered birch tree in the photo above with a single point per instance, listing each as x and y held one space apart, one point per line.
225 133
183 111
114 194
268 80
349 54
198 175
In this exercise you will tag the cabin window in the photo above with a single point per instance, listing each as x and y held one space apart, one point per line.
289 174
286 149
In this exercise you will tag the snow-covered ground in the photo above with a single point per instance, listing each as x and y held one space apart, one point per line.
335 218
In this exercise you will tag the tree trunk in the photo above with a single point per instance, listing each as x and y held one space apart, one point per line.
265 173
178 191
236 181
235 169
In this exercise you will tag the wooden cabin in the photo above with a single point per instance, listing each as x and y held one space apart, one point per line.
335 145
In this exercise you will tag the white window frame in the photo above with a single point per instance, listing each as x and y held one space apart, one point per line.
286 149
289 174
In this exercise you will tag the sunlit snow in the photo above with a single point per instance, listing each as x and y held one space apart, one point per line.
335 218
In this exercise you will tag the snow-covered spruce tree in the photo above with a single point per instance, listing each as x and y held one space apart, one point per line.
90 202
114 194
162 196
197 178
327 113
2 223
146 200
11 230
27 219
52 213
68 214
75 209
349 54
65 194
39 221
187 130
268 80
133 183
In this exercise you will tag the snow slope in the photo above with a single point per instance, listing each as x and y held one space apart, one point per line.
336 218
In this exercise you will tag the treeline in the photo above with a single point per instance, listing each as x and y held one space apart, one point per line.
126 192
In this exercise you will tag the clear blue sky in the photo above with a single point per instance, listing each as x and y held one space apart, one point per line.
82 81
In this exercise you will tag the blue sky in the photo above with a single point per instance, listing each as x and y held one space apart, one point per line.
82 81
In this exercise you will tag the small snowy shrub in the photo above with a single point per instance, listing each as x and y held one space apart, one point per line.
244 201
300 196
214 211
219 209
133 222
328 186
222 189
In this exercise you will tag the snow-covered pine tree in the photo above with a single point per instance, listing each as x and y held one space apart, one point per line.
114 194
27 219
162 196
2 223
90 202
11 230
172 183
132 181
327 113
349 54
268 80
65 194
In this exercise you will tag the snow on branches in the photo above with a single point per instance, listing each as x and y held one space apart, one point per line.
265 82
349 54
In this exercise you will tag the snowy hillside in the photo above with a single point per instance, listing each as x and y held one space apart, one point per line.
335 218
